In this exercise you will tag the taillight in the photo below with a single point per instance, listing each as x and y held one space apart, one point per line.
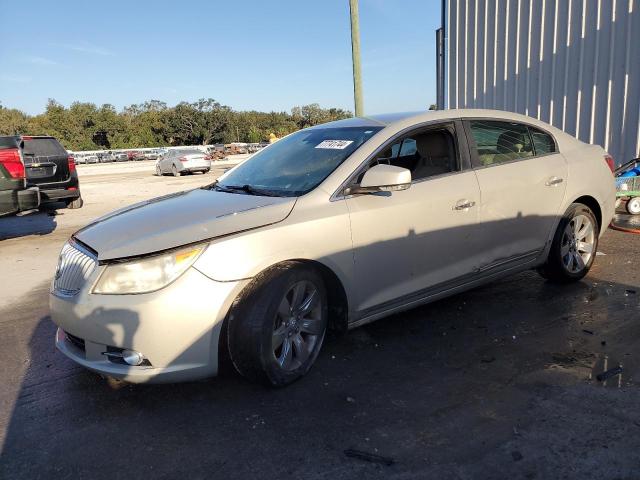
183 159
72 163
609 159
11 160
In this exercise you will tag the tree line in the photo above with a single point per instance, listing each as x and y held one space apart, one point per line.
86 126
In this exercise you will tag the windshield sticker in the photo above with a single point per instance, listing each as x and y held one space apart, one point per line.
335 144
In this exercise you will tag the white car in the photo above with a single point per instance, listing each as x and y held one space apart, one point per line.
331 227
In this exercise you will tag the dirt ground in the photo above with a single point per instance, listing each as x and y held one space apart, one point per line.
499 382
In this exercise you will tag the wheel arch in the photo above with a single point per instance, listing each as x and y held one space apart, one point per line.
336 293
594 205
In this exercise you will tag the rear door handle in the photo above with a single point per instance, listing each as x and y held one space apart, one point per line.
464 204
553 181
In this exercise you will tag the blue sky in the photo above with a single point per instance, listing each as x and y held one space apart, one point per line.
247 54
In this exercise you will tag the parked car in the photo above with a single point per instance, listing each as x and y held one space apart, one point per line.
92 159
106 157
79 158
333 226
50 167
122 157
180 162
150 155
135 155
15 196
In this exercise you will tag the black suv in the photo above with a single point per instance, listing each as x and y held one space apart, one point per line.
50 167
14 194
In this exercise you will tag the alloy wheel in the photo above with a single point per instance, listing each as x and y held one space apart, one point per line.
577 245
298 326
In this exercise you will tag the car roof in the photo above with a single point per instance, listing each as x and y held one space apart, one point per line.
402 120
389 119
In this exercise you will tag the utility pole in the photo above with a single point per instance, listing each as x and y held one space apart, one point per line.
355 55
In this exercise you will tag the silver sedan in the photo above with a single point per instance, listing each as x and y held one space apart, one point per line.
180 162
331 227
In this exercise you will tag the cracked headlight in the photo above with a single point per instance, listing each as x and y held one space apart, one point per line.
146 274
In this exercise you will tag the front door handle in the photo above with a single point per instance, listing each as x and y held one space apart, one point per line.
464 204
553 181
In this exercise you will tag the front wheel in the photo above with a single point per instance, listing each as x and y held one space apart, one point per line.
633 206
574 246
175 171
158 171
277 327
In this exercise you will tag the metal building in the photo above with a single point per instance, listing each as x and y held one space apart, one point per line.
572 63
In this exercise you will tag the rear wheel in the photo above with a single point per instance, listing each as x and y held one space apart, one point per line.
175 171
277 328
574 246
633 206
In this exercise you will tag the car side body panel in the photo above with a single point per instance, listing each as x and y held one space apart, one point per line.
315 231
585 163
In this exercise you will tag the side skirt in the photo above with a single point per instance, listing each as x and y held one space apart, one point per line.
446 289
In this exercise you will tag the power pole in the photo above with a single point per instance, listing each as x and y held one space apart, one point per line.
355 55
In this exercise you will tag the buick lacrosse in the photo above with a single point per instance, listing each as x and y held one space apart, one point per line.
331 227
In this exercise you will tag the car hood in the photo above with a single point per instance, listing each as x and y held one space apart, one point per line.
179 219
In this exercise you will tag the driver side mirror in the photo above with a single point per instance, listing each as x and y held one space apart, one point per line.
382 178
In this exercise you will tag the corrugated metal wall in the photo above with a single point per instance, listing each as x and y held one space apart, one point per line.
572 63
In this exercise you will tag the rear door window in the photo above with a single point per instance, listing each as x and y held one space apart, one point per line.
499 142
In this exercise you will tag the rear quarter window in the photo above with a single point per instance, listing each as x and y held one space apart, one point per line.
543 143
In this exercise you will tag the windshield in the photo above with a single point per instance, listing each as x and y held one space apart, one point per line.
298 163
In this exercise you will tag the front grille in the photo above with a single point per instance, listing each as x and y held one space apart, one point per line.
76 341
74 268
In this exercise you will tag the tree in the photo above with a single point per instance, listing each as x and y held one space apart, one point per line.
12 121
85 126
310 115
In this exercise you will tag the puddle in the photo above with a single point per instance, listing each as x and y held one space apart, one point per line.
624 220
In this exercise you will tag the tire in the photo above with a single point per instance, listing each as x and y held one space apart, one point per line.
633 206
158 171
77 203
175 171
267 344
574 246
206 171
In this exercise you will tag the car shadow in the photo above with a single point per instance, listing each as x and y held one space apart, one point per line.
33 222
